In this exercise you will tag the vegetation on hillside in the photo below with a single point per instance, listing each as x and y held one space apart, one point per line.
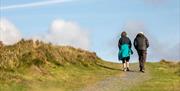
165 76
38 66
37 53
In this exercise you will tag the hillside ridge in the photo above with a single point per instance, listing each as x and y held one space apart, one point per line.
29 52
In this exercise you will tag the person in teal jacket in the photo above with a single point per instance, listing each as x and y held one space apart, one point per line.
125 51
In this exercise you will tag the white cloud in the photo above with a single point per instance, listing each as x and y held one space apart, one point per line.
9 34
66 33
134 27
60 32
34 4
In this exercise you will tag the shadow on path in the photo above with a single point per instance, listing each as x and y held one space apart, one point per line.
103 66
111 68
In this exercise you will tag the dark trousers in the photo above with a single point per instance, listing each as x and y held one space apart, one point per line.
142 58
126 59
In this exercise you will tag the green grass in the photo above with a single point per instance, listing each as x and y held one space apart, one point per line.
164 77
56 78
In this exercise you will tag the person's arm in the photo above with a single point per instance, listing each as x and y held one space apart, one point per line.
119 43
135 43
130 44
147 43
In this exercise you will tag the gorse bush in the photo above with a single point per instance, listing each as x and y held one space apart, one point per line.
28 52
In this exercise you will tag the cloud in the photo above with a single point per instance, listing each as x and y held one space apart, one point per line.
34 4
66 33
9 34
60 32
134 27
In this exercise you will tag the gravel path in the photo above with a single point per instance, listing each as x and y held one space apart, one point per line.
120 82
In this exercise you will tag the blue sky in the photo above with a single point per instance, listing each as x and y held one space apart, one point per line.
104 20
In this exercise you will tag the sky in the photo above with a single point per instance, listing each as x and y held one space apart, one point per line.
94 25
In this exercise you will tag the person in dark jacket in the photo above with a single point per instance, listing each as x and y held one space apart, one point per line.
141 44
125 51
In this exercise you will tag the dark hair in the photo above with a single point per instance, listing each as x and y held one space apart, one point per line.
123 34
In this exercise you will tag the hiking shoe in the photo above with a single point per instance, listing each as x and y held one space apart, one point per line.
128 69
142 71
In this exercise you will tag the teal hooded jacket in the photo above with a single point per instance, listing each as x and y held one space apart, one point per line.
124 51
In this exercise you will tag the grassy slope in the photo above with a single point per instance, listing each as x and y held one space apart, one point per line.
45 67
165 76
68 78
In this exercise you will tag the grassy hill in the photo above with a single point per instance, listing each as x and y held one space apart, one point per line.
37 66
165 76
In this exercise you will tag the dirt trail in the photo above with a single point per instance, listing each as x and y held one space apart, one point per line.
120 82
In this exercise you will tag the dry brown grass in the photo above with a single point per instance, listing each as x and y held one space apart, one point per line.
25 53
38 66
